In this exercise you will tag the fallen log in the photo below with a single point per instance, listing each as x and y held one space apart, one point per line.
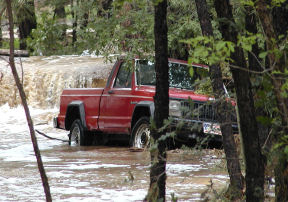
17 53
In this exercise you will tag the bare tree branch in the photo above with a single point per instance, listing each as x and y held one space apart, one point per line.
25 106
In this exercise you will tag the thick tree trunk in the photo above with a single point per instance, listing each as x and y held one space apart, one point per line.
26 108
161 100
223 111
281 171
26 24
254 65
251 27
245 102
280 16
59 13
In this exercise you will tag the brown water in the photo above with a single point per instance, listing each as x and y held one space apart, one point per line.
81 173
92 173
44 78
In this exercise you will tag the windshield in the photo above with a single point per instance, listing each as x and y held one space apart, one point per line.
180 75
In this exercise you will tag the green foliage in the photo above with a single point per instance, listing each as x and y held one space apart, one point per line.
282 145
129 29
277 2
246 42
182 23
209 51
6 44
47 38
126 28
204 87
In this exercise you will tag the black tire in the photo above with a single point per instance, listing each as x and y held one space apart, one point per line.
77 134
140 136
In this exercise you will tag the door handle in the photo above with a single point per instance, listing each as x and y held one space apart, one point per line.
111 92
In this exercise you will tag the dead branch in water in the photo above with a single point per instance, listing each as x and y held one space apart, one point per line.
25 106
51 138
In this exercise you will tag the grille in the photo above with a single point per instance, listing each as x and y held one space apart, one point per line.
203 111
199 111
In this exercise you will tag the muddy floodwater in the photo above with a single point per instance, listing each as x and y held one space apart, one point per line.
102 173
96 173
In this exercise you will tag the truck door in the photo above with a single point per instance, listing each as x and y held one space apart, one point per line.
116 108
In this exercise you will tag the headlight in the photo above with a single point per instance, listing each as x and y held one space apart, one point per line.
174 108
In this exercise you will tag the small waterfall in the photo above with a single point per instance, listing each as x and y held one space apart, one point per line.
44 78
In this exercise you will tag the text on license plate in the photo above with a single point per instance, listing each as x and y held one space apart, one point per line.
212 128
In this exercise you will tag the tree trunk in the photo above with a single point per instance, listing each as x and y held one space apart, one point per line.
223 111
280 16
59 13
74 24
254 65
158 156
85 21
106 6
25 106
27 22
1 35
281 171
245 102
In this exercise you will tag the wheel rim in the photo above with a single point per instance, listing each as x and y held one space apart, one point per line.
142 136
75 136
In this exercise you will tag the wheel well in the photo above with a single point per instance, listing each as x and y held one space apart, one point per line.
138 113
71 115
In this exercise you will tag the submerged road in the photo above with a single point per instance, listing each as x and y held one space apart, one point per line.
96 173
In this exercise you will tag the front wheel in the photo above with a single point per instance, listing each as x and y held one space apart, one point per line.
77 135
140 136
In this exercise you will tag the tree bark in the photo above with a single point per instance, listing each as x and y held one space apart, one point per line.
281 170
59 13
1 35
158 157
251 27
245 102
74 24
25 106
254 65
27 22
223 112
280 16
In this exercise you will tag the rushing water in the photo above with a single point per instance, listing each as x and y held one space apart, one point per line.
45 77
102 173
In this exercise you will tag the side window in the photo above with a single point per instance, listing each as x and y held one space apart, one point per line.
123 79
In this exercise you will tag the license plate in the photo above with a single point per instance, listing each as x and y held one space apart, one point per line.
212 128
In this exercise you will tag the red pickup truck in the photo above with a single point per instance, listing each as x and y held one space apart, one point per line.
126 105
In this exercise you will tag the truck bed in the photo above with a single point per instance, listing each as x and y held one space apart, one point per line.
91 98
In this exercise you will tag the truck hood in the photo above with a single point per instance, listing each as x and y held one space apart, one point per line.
186 94
177 93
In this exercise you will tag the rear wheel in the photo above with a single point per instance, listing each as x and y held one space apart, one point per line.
140 136
77 135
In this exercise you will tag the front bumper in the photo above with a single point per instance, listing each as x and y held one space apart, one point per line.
188 130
